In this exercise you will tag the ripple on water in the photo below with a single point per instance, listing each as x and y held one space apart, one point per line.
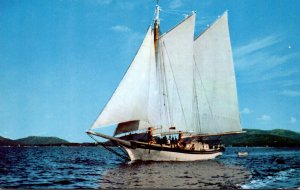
206 174
94 167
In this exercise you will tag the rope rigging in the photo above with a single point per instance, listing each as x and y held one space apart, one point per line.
177 90
204 91
196 112
123 156
164 83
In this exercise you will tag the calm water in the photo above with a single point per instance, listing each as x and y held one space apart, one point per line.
94 167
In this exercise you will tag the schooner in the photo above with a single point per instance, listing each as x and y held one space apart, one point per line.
177 97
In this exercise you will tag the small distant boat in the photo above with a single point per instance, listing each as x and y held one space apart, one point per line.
177 97
242 154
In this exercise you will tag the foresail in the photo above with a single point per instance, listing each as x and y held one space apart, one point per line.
130 100
215 81
175 65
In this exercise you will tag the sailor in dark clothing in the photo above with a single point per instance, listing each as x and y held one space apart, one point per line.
165 140
130 136
193 147
172 142
176 142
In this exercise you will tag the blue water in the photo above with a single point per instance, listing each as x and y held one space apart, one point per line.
94 167
269 167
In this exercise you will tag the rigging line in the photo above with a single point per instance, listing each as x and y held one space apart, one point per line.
172 10
153 17
173 13
176 86
158 84
203 86
171 119
165 90
110 149
163 109
205 92
149 75
120 148
194 102
197 113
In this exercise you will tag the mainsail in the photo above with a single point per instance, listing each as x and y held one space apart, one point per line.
175 65
188 84
215 80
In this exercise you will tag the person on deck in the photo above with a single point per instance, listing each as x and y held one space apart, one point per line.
172 142
193 147
176 143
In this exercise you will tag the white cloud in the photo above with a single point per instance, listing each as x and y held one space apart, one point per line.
120 28
256 45
277 74
176 4
286 83
261 60
290 93
246 111
264 117
293 120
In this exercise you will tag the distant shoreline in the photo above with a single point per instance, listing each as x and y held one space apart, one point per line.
277 138
54 145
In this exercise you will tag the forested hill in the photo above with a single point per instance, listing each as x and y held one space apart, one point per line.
36 140
262 138
32 140
7 142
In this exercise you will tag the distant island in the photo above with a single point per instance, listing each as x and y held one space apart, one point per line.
40 141
263 138
252 138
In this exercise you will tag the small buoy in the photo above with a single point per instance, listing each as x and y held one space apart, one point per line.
242 154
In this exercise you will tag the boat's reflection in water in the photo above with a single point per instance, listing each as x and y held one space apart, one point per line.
197 174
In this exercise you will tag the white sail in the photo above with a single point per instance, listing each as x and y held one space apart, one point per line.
215 80
130 100
175 82
175 65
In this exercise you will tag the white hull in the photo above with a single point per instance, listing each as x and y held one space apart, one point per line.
156 155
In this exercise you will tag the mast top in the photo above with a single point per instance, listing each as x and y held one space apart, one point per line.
157 9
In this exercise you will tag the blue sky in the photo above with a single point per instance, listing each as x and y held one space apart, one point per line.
60 61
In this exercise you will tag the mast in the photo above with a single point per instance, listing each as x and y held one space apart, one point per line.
156 26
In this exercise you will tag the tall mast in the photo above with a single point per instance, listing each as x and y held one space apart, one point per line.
156 26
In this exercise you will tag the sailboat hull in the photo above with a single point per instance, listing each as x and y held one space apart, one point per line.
163 155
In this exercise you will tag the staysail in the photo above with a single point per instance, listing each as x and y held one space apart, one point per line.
215 80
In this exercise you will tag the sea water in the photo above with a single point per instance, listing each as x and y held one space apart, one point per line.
95 167
269 167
